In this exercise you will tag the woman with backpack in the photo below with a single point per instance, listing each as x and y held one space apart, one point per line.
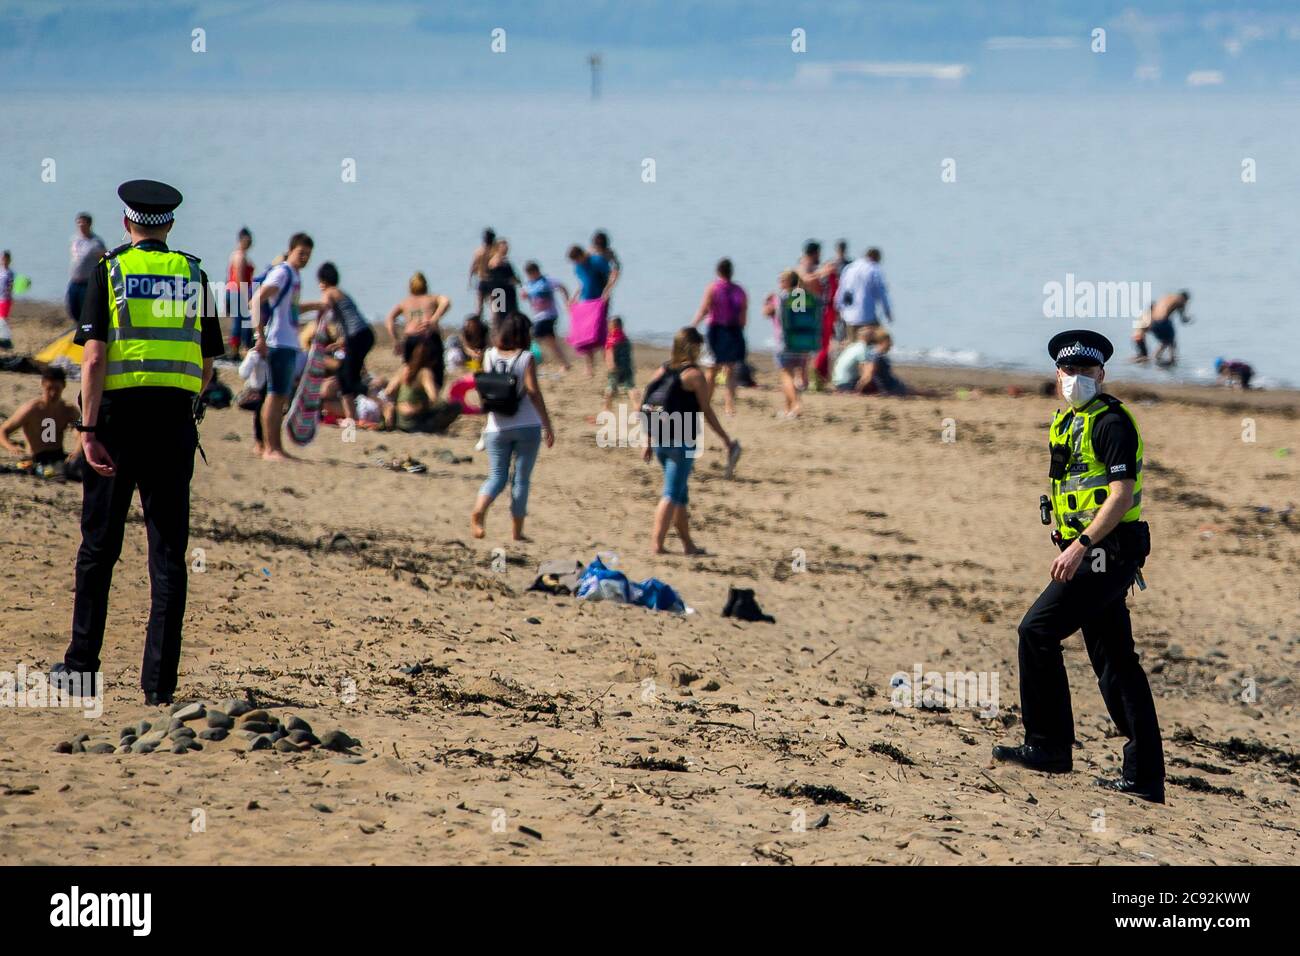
517 422
674 404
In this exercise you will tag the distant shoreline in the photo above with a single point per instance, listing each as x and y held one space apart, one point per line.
941 377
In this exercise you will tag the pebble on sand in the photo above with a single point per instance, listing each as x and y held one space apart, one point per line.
255 715
217 719
337 740
297 723
63 747
234 707
181 748
260 742
101 748
190 712
214 733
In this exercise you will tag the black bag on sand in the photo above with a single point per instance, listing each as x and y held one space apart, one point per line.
741 604
498 390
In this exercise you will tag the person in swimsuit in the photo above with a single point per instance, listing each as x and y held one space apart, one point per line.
478 266
420 344
499 290
356 338
239 282
43 421
1161 326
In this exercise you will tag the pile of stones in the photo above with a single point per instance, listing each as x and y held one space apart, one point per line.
218 721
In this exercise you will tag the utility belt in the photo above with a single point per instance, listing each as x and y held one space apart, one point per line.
1129 542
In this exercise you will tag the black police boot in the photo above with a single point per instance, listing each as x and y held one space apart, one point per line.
1042 759
1153 793
65 679
154 699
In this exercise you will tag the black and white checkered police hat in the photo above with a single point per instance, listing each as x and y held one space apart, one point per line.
1080 347
148 202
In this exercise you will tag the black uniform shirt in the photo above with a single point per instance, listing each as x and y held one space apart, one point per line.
94 326
1115 443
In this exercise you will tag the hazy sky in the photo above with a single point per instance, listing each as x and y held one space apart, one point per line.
648 45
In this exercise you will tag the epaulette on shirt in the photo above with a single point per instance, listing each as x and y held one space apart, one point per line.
127 245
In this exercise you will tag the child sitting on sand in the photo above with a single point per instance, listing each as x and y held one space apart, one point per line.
618 363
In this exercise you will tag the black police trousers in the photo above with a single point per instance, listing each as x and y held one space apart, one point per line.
1094 601
153 450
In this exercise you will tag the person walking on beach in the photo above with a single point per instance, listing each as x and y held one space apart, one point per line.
600 248
516 434
725 307
1096 501
478 265
149 331
821 363
862 297
239 282
274 308
86 251
541 290
6 299
1161 325
499 290
593 273
356 339
796 321
675 401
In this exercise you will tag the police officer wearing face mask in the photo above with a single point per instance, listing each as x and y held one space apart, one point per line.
1096 505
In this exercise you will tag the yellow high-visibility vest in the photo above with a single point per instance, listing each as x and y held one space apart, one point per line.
1078 496
154 307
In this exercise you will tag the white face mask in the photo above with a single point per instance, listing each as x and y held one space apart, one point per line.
1079 390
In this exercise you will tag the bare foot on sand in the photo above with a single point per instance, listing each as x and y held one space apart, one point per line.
476 525
277 456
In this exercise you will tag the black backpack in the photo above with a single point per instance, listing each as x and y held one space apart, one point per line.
498 390
664 394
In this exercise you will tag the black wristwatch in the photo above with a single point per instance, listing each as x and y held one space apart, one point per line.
83 428
1086 542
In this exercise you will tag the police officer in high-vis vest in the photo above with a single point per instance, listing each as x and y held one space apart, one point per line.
1095 502
149 330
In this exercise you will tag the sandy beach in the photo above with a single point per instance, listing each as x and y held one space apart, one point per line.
541 729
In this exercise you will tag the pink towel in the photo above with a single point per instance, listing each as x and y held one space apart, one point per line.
587 324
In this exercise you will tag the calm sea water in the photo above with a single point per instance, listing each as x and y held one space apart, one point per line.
1132 190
